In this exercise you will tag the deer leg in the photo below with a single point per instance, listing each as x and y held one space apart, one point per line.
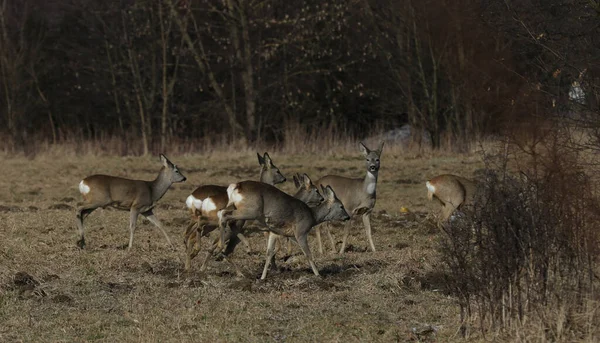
319 242
367 221
133 214
447 210
152 218
192 245
227 215
216 243
239 225
209 253
233 242
82 212
345 238
289 247
331 240
302 241
270 254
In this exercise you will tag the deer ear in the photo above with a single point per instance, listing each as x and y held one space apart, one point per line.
307 181
297 182
261 160
363 149
268 160
380 147
329 194
165 161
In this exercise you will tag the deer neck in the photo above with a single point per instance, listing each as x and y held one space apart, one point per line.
370 183
160 185
320 211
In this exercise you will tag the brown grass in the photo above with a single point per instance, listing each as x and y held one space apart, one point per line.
106 294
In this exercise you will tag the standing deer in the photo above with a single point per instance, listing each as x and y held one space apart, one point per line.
206 201
357 195
452 192
137 196
281 214
306 192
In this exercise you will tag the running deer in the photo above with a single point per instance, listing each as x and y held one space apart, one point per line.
281 214
206 201
357 195
306 192
452 192
137 196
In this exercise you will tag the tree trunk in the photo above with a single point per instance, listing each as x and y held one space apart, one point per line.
243 53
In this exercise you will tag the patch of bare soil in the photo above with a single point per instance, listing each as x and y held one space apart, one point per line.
5 208
63 207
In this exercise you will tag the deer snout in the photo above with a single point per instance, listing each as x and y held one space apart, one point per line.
373 168
346 216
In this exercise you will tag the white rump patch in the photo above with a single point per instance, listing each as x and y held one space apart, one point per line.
208 205
83 188
430 187
192 203
234 196
189 202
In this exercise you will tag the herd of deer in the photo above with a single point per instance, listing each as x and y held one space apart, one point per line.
212 207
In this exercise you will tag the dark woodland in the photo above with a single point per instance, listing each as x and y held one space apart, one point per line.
165 71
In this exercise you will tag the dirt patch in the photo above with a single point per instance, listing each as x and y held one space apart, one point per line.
167 268
168 206
242 285
35 191
24 280
435 280
407 182
118 287
26 286
64 207
4 208
67 199
50 278
297 280
62 299
180 221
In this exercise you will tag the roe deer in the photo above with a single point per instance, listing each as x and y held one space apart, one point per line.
357 195
206 201
281 214
306 192
452 192
137 196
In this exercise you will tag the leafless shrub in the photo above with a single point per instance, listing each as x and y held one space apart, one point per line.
527 249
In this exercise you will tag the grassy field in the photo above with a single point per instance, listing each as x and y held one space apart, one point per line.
104 293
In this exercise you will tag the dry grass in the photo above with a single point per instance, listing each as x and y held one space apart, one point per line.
103 293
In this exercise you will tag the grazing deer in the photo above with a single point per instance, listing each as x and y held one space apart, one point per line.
452 192
306 192
137 196
206 201
281 214
357 195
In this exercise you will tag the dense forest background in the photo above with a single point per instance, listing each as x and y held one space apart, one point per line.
159 72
